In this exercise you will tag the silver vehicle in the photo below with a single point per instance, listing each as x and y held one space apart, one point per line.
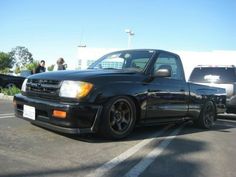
218 76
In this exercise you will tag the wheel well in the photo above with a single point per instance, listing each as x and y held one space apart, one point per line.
138 110
214 103
215 109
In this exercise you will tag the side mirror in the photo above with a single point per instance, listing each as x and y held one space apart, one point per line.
162 73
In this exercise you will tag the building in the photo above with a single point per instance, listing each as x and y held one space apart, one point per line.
190 59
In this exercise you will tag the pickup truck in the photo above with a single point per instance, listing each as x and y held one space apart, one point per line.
119 91
7 81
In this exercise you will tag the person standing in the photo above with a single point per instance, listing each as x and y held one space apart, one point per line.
60 64
40 68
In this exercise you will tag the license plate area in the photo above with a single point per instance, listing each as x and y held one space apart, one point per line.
29 112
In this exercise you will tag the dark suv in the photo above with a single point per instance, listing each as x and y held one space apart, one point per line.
218 76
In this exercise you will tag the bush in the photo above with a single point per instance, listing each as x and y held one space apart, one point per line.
10 91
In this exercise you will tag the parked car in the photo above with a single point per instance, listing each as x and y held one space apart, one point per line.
120 90
218 76
25 73
7 81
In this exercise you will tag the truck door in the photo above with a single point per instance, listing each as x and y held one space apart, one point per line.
167 96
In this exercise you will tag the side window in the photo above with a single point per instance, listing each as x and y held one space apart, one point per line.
139 63
170 62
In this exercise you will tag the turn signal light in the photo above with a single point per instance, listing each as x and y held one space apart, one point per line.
59 114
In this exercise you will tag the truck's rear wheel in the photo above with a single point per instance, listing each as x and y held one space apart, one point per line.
207 116
119 117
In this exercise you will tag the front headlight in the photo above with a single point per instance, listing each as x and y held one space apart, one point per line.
23 87
75 89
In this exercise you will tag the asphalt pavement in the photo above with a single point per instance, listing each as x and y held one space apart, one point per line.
167 150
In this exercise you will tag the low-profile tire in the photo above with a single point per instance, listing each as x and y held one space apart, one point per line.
118 118
207 116
10 85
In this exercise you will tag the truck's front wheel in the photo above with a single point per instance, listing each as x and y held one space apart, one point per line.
119 117
207 116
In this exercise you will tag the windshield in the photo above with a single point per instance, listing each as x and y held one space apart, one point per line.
213 75
131 60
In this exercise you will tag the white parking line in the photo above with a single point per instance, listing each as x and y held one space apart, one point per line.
4 117
8 115
149 158
102 170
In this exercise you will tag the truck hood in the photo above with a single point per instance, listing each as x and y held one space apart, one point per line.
80 75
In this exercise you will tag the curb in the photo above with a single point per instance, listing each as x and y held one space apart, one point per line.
6 97
227 116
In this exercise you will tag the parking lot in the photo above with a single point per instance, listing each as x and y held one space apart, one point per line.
167 150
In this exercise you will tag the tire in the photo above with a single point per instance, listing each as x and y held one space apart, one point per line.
207 116
10 85
118 118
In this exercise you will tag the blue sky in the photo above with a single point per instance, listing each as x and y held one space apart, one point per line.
54 28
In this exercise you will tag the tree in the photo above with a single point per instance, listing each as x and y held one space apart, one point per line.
17 70
6 61
32 66
51 68
21 56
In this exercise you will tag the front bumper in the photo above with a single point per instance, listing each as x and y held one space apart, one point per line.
80 117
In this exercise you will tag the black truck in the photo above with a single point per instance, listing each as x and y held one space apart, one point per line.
117 92
8 81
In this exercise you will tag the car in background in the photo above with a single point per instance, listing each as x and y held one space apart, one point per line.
8 81
218 76
25 73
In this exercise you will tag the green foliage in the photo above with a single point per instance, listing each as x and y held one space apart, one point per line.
21 56
17 70
31 66
10 91
5 61
50 68
5 71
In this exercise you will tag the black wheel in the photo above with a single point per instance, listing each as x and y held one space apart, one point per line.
10 85
207 116
119 117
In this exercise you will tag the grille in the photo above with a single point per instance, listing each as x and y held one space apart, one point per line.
42 87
